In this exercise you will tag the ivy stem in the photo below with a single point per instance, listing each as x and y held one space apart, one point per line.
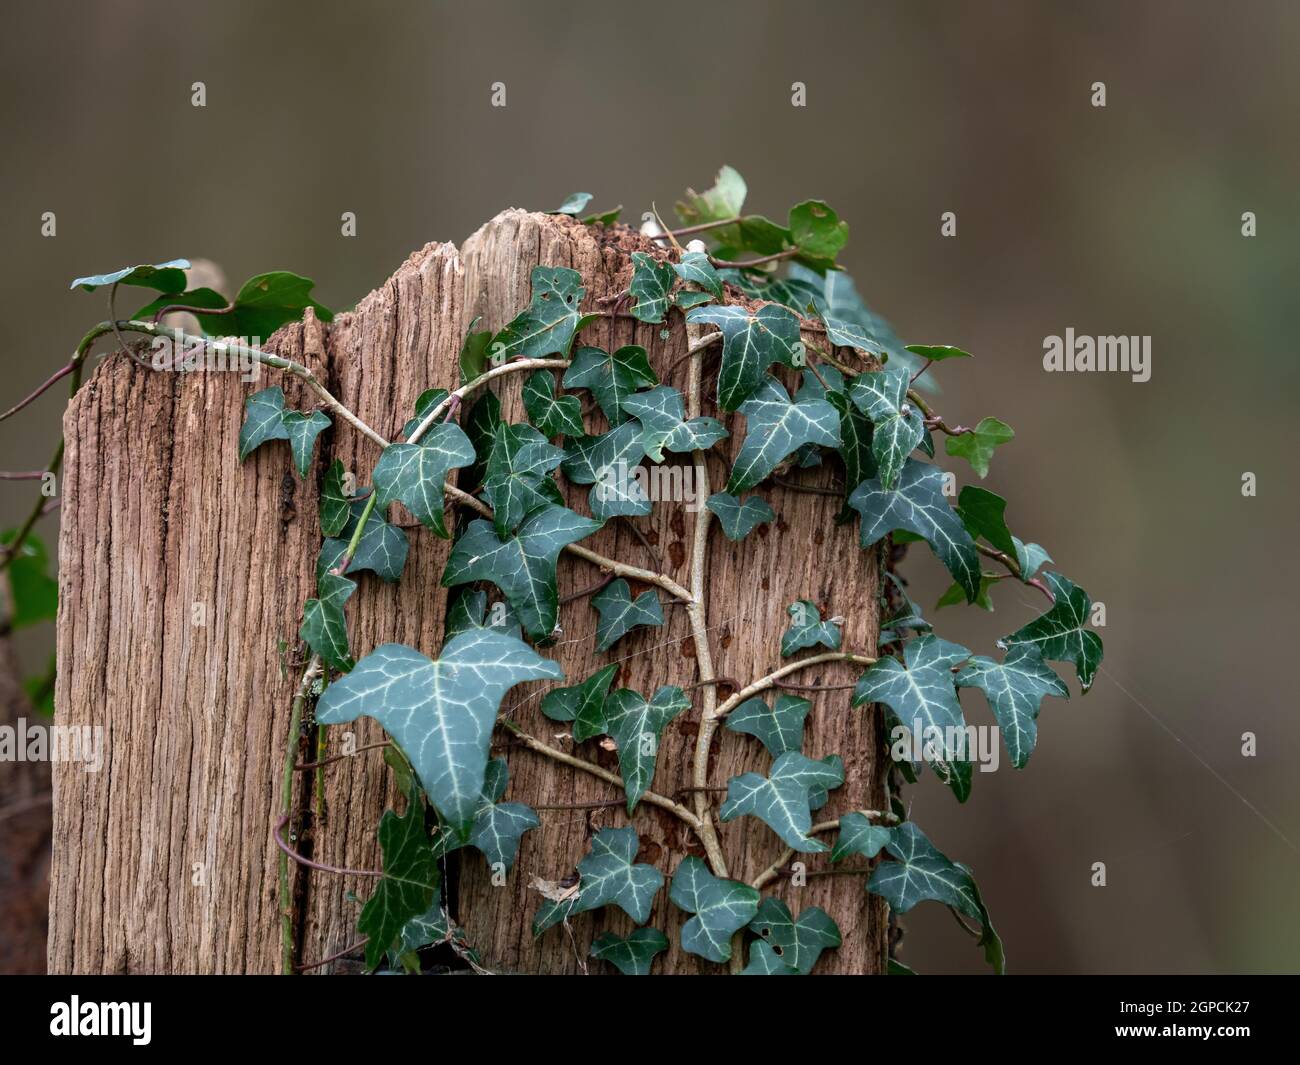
286 812
482 379
931 418
1013 567
288 852
774 870
762 260
764 683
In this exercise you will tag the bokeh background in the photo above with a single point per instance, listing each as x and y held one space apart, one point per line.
1117 220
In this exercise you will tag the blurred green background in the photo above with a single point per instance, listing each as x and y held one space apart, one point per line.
1117 220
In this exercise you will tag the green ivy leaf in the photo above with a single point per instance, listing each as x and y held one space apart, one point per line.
263 305
620 613
848 334
608 462
635 725
938 352
469 610
696 269
193 297
859 836
263 420
775 428
781 799
739 518
498 826
519 477
165 277
302 430
481 427
1015 689
324 625
474 352
651 286
440 713
817 231
552 414
882 396
33 592
382 549
977 447
574 203
661 411
779 728
917 505
334 502
1061 634
763 961
799 941
807 629
983 514
957 594
751 342
548 326
605 218
610 378
432 926
407 887
429 399
521 565
632 954
724 200
1030 557
607 875
583 704
721 908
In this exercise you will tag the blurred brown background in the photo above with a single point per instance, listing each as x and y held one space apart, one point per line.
1122 220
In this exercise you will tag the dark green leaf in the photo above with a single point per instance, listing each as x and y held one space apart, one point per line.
609 463
781 799
620 613
859 836
409 882
632 954
696 269
1061 634
263 304
552 414
779 728
763 961
635 725
548 325
334 501
481 427
519 477
808 630
652 284
165 277
721 908
324 626
1015 688
303 430
739 518
798 941
977 447
898 426
610 378
263 420
583 704
751 342
775 428
34 593
498 826
1030 558
194 297
474 353
661 411
938 352
982 512
608 875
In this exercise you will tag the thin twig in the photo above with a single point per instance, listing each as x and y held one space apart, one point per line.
321 866
302 767
334 957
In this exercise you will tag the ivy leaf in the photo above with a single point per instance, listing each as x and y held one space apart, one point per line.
781 798
440 713
799 942
1061 634
519 478
263 420
610 378
982 512
779 728
957 594
724 200
817 231
652 283
721 908
33 592
302 430
763 961
917 505
1030 557
921 694
263 304
583 704
407 887
481 427
521 565
429 399
920 873
474 352
620 613
660 412
498 826
607 875
775 428
432 926
548 326
635 725
808 630
849 334
334 502
382 548
552 414
605 218
165 277
938 352
574 203
469 611
324 626
907 616
882 396
859 836
977 447
633 954
751 342
1015 689
608 462
191 297
696 269
739 518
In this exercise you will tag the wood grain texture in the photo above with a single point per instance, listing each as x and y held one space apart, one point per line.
159 514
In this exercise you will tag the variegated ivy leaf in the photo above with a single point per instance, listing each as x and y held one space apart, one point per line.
696 269
632 954
574 203
263 420
1030 558
324 625
519 479
982 512
552 414
429 399
652 284
608 874
808 630
779 728
334 500
855 428
469 610
302 430
737 517
1061 634
763 961
781 799
498 826
611 378
413 474
440 713
521 565
583 704
898 426
721 908
817 231
609 463
620 613
775 428
382 548
977 447
921 696
917 505
407 887
1015 688
751 342
859 836
798 941
635 725
660 412
552 319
